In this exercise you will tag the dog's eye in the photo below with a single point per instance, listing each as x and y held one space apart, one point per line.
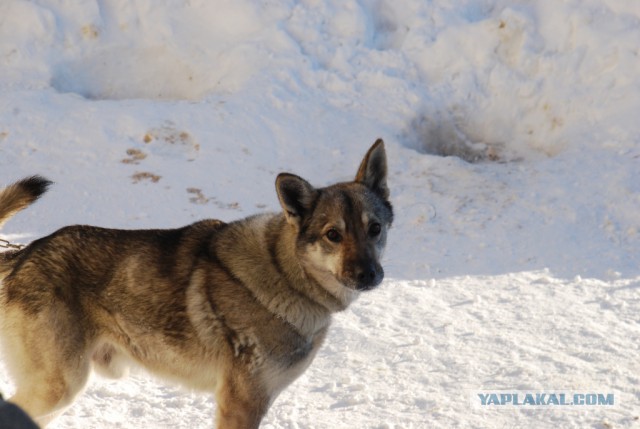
334 236
375 229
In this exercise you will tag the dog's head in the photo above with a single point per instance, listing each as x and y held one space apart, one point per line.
342 229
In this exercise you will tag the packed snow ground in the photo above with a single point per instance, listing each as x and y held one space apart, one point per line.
514 147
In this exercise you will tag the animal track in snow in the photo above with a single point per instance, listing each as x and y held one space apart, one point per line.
146 176
167 140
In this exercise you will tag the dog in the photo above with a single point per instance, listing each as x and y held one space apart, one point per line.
237 309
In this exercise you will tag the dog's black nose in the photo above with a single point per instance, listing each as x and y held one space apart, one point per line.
368 276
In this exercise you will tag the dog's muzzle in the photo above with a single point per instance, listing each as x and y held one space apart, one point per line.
368 276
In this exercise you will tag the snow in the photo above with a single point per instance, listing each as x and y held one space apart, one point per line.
514 151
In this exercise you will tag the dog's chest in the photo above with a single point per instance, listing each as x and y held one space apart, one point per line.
282 369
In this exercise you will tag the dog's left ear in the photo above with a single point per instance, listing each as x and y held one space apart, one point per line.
373 170
296 196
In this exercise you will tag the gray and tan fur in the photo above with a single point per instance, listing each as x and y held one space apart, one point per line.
238 309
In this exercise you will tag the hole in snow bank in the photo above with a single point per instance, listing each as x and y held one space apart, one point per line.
438 135
486 135
147 73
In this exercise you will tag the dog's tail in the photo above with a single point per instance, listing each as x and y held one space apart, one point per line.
14 198
20 195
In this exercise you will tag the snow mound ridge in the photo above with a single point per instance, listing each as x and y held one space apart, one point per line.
119 73
506 85
121 50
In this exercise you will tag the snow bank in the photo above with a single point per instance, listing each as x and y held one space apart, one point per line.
513 142
146 49
496 80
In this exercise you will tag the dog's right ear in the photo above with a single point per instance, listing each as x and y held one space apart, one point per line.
296 196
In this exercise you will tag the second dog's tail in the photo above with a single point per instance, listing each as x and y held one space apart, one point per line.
20 195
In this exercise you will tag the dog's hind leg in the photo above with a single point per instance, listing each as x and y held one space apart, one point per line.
48 370
43 401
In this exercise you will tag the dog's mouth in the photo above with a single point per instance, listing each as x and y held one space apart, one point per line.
370 285
367 287
358 277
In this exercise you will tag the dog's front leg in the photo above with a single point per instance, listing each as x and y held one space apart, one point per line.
242 402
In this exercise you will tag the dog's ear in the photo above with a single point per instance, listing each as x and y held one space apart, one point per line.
373 170
296 196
